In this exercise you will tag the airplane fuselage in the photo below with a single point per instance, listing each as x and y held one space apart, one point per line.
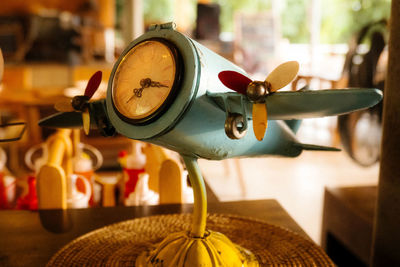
193 124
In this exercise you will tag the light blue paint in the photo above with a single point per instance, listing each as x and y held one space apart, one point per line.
194 123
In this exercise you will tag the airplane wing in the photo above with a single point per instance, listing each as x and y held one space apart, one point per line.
98 119
303 104
63 120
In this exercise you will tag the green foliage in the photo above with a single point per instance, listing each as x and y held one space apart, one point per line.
294 21
156 11
340 18
293 17
229 7
343 18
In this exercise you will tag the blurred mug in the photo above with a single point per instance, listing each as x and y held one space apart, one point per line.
7 191
36 163
76 198
86 163
89 176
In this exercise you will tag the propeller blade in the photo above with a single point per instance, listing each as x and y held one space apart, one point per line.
260 121
93 84
86 121
63 120
234 80
64 106
283 75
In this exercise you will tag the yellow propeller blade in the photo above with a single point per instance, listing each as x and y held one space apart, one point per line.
282 75
259 120
64 106
86 121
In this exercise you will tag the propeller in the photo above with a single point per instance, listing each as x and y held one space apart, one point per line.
80 102
258 91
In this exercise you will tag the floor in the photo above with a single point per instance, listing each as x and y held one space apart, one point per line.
298 184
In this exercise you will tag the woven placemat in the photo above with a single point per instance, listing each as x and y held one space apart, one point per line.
119 244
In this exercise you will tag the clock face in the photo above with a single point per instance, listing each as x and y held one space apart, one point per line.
145 80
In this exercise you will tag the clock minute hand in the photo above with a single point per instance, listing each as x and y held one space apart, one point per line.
145 83
157 84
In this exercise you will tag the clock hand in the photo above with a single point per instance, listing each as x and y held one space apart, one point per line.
145 83
130 99
157 84
136 92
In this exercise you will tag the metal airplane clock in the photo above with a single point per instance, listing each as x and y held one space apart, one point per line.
169 90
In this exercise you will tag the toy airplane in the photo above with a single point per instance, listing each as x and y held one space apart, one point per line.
185 102
169 90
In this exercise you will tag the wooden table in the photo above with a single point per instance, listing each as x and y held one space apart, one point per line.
347 224
25 242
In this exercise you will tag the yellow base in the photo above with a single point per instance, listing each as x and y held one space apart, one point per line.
182 250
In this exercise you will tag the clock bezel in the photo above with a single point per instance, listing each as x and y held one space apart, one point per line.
179 69
190 84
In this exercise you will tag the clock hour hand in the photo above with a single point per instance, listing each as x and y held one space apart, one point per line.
130 99
136 92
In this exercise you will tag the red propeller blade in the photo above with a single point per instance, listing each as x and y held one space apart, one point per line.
93 84
234 80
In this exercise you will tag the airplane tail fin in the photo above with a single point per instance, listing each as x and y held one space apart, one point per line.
316 147
294 125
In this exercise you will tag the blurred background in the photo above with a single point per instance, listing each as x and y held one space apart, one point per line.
52 47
